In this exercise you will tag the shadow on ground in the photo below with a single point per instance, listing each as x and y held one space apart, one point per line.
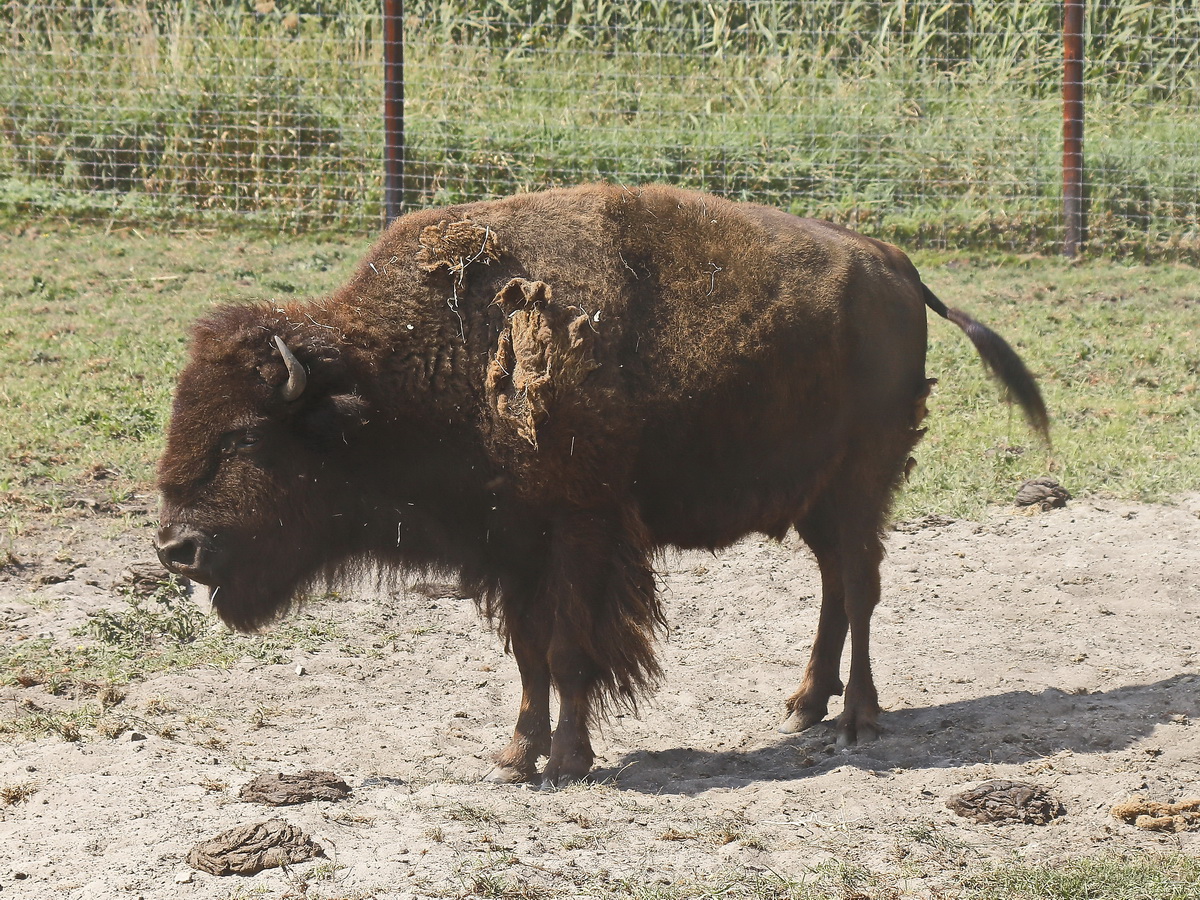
1009 728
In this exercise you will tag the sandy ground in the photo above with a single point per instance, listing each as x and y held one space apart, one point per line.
1058 648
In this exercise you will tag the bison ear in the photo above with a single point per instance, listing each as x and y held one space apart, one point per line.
329 421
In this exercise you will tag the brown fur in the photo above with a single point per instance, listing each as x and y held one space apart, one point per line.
539 392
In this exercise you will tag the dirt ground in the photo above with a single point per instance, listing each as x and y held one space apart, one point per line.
1059 648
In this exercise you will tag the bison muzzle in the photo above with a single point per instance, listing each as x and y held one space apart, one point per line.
537 393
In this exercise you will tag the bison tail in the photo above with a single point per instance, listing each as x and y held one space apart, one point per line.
1002 361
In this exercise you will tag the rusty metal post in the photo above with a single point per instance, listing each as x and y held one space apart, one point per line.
1075 225
393 107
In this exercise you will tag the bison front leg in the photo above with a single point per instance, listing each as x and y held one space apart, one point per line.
531 738
575 677
601 586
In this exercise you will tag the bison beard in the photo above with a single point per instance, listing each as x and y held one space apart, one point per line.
536 394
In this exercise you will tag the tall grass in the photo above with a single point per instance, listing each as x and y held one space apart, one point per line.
1137 46
931 122
188 104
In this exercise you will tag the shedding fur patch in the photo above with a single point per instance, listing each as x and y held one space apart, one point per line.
543 354
1154 816
454 246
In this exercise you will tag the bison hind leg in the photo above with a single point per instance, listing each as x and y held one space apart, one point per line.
844 530
810 703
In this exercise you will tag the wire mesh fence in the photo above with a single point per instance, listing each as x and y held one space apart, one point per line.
934 122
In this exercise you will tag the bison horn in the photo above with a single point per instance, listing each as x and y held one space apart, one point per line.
297 377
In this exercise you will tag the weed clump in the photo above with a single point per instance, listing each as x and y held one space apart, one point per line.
167 613
12 794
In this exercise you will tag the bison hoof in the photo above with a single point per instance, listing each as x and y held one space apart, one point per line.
561 781
510 775
562 775
851 733
800 719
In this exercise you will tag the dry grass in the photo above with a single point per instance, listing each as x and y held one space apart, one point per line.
12 794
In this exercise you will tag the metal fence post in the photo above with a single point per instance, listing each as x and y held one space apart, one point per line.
393 107
1075 223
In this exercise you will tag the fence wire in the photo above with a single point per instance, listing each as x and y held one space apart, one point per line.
930 122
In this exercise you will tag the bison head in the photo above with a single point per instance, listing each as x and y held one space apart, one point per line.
256 499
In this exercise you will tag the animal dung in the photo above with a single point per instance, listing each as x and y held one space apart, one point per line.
1153 816
1001 801
1044 492
248 849
287 790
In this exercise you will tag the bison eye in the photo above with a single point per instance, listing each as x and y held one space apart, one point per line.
240 442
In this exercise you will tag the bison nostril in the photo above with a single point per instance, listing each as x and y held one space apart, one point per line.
181 549
180 553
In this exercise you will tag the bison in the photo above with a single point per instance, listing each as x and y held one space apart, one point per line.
538 393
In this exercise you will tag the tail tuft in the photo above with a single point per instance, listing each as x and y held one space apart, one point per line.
1003 362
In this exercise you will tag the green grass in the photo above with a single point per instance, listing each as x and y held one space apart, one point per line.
92 333
936 124
1133 877
1107 877
148 636
152 633
1117 351
167 615
94 326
